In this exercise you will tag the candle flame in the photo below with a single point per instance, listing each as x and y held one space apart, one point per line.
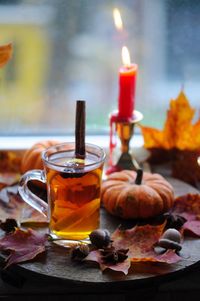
117 19
198 161
126 56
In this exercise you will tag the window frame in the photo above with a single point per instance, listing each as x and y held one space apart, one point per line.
17 142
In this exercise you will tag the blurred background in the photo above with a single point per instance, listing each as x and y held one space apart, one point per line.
66 50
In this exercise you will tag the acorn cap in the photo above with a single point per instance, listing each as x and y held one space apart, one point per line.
172 235
169 244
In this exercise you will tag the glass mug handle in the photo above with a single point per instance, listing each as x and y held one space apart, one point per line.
28 196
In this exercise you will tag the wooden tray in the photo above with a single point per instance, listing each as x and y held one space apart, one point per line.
57 265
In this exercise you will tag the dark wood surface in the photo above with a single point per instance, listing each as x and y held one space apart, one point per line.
56 264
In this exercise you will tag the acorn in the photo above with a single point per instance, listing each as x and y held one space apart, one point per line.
100 238
171 239
9 225
79 252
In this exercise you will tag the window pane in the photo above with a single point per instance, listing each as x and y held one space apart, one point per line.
69 50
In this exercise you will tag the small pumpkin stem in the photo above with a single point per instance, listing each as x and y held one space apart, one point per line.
139 176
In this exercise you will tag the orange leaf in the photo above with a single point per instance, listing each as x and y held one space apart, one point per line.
178 131
152 137
5 54
196 134
140 241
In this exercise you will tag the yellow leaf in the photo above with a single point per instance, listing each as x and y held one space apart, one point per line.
178 131
152 137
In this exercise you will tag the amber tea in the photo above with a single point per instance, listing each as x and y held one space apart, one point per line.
75 196
73 187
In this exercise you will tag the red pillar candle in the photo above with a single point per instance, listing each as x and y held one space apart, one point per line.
127 85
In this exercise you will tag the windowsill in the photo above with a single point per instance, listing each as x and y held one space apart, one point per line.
24 142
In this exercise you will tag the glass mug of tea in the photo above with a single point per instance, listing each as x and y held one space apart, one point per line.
73 189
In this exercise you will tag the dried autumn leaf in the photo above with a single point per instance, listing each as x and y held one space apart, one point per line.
5 54
23 245
140 240
187 161
118 267
193 227
178 131
8 179
10 161
178 126
153 138
188 206
12 206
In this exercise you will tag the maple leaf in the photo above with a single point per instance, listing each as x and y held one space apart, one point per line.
23 245
178 131
118 267
5 54
188 206
140 240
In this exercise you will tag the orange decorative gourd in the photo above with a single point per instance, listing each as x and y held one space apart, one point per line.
130 194
32 157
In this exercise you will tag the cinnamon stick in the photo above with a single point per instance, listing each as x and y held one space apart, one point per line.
80 130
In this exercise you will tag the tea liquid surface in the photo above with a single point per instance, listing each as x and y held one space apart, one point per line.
74 196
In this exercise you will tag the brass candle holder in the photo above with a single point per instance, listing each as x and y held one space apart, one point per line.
125 131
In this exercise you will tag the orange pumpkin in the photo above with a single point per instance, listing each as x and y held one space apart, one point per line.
130 194
32 157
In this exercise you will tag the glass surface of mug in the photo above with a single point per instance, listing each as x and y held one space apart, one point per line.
73 189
